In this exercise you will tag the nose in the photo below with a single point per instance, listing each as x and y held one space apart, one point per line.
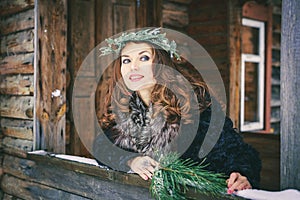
134 66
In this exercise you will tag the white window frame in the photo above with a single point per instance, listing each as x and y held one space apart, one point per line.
260 60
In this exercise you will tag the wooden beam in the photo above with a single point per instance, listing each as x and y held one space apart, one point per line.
17 85
234 60
20 107
20 42
8 7
18 22
17 64
22 129
16 144
30 190
71 177
51 61
290 92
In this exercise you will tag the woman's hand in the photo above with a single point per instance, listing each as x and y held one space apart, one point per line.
144 166
237 182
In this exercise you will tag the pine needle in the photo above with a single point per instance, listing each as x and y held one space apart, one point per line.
175 177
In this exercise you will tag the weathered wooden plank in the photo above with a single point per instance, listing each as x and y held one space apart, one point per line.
174 6
290 92
18 22
17 85
268 146
16 106
17 64
17 144
15 152
181 1
21 42
234 55
175 18
214 27
22 129
51 57
214 12
8 7
211 40
29 190
74 182
9 197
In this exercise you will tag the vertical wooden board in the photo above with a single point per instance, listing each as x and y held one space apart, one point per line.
124 15
51 74
16 84
81 42
234 55
290 92
18 22
84 117
82 34
17 64
8 7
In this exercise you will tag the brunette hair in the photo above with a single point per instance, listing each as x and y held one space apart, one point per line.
174 106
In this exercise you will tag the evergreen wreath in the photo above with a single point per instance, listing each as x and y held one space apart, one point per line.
174 177
153 36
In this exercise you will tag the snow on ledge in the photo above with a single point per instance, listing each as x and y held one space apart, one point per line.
79 159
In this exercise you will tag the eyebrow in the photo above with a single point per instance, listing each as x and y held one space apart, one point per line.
139 53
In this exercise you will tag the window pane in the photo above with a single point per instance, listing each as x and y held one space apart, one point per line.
251 93
250 40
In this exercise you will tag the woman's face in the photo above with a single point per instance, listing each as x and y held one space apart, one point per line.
136 66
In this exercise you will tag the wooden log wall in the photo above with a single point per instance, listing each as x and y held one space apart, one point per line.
16 77
33 177
175 14
215 24
208 22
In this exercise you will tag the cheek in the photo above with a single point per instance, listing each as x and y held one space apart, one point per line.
124 70
149 71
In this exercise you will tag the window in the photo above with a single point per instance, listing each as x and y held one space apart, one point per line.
252 75
256 68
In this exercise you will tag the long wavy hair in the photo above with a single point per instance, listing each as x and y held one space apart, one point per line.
173 106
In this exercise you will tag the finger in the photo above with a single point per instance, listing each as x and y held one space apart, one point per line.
144 176
232 179
150 169
148 174
240 184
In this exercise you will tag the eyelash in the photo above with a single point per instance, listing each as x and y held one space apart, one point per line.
142 58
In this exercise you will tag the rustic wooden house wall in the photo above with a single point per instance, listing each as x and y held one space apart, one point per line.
28 176
16 77
215 24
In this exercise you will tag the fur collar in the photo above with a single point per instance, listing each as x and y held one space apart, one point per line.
140 132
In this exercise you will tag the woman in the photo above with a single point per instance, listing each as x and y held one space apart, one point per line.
147 105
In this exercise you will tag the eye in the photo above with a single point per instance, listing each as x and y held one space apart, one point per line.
145 58
126 61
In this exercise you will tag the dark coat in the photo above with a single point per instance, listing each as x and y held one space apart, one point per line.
136 132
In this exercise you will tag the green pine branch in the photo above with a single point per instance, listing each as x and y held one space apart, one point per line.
175 177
